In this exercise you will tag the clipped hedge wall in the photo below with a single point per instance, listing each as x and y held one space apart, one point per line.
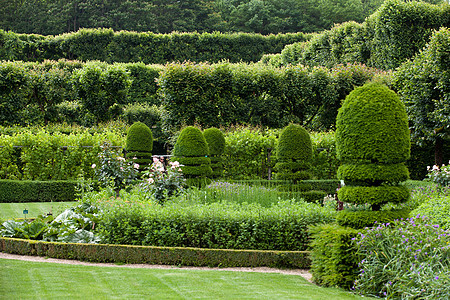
19 191
147 47
387 38
158 255
333 255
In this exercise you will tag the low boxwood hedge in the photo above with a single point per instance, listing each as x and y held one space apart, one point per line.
158 255
19 191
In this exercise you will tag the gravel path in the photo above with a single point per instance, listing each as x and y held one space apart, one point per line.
304 273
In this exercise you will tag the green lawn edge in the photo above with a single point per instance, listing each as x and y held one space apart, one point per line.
198 257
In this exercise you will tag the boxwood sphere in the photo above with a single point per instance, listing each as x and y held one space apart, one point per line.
215 140
139 138
191 142
372 125
294 144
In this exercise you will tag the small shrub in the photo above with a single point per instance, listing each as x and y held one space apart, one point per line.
294 153
139 144
216 145
191 150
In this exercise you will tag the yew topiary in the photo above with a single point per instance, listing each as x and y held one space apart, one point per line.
191 151
139 144
216 144
294 153
373 144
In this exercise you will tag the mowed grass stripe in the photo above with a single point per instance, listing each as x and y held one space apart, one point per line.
37 280
15 210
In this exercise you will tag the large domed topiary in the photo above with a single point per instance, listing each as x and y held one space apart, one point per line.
216 144
294 153
191 151
373 144
139 144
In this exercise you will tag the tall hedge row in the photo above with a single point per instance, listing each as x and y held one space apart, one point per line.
225 94
147 47
207 94
390 36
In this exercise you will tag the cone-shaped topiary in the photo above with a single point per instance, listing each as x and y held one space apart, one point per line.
139 144
373 144
216 144
191 151
294 153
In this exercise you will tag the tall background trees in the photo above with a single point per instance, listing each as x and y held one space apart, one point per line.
164 16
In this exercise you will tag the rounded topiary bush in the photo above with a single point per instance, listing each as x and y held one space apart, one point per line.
294 153
373 144
139 144
216 144
191 151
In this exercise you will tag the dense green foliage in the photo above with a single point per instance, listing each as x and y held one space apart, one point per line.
270 16
139 144
434 204
18 191
333 257
225 94
222 225
372 126
294 153
423 85
216 145
145 47
52 156
191 150
372 140
386 39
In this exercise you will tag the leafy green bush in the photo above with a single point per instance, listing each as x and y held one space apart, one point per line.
219 225
247 152
216 145
372 140
113 170
52 155
406 259
191 150
139 145
102 88
294 152
333 255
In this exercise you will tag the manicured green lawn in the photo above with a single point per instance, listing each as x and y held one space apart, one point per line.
15 210
37 280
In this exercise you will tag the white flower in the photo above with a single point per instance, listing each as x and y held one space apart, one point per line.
155 159
150 180
120 158
93 166
435 168
136 166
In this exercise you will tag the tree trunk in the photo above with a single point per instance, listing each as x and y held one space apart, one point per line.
438 151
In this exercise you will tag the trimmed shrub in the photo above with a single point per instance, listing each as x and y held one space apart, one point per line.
372 140
216 145
139 144
364 218
158 255
19 191
294 153
192 149
333 255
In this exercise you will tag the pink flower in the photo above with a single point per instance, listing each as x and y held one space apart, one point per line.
121 168
150 180
136 166
93 166
155 159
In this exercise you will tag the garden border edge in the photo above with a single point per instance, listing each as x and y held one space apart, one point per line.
198 257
